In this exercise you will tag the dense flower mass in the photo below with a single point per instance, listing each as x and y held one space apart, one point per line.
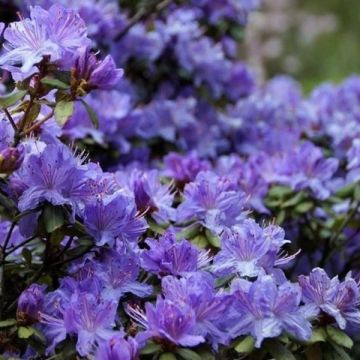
157 202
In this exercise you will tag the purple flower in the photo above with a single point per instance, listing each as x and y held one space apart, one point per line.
114 219
180 23
353 166
212 201
89 73
248 176
242 250
80 313
52 321
30 302
56 33
184 168
151 197
338 299
91 319
118 273
27 43
265 310
206 61
197 290
167 256
250 250
117 348
169 321
53 175
6 134
241 82
237 10
312 170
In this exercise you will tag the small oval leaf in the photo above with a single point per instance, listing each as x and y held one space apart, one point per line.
55 83
12 98
339 337
24 332
188 354
245 346
63 111
7 323
92 114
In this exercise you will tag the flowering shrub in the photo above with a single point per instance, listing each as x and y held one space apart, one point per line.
156 202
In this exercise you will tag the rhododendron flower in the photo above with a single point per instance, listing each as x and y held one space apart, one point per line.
169 321
265 310
167 256
117 348
212 201
53 175
90 73
55 34
250 250
118 272
30 302
114 219
197 290
338 299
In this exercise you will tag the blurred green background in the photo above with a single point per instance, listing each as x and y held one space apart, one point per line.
313 40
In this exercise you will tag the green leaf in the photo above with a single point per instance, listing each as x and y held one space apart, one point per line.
296 199
27 255
33 113
278 350
339 337
188 354
64 76
245 346
57 237
337 353
281 216
318 335
206 355
189 232
24 332
237 32
200 241
53 218
304 207
7 323
156 228
63 111
55 83
279 191
167 356
357 192
12 98
346 191
92 114
150 348
213 239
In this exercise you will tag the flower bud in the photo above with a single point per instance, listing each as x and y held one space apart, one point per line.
30 303
10 159
89 73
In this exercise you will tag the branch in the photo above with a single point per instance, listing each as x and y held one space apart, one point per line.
328 253
19 245
8 236
11 120
78 256
143 13
37 125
